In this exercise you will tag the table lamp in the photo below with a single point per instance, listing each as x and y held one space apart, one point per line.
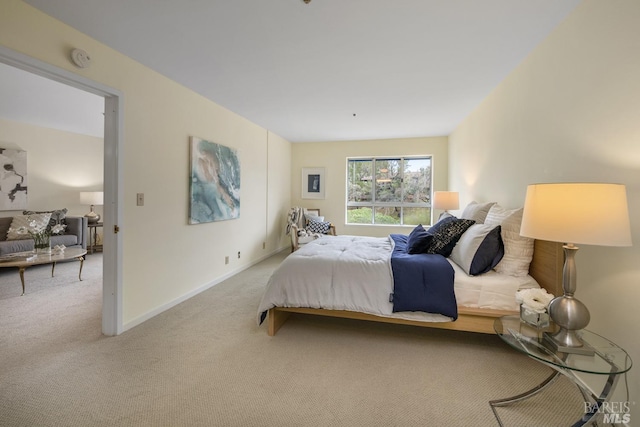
584 213
446 200
92 198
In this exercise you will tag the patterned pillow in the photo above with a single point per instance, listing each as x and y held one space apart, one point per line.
318 227
446 234
21 223
57 217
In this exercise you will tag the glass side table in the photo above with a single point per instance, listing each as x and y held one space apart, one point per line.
609 359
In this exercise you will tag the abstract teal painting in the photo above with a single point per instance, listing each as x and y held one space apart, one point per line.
215 182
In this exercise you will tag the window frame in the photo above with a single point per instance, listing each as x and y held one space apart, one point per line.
373 204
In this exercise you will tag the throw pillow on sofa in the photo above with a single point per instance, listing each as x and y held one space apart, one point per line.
57 217
22 224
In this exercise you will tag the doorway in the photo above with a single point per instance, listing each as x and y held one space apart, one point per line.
112 323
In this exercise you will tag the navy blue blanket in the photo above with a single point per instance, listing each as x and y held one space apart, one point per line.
421 282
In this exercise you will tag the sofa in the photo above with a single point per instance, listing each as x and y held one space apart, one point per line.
74 236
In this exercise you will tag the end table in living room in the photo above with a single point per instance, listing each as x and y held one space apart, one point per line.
93 237
609 359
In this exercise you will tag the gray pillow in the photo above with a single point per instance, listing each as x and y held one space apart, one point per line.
479 249
477 211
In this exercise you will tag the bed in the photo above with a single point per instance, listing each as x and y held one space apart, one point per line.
294 287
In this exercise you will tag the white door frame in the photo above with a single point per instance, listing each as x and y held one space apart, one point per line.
113 137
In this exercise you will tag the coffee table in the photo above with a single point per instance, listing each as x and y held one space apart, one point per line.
23 260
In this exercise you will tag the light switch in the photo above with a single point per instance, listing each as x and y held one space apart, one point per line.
140 199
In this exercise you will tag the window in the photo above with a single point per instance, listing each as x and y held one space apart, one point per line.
389 191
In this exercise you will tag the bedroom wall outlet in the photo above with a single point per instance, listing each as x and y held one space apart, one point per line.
140 199
238 254
226 260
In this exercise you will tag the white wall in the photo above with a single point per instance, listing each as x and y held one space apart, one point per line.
59 166
570 112
164 257
333 157
278 186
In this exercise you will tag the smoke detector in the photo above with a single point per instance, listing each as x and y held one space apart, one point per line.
81 58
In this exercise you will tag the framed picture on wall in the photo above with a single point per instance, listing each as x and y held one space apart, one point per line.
313 183
13 179
214 181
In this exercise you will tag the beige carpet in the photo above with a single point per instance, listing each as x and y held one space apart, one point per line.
207 363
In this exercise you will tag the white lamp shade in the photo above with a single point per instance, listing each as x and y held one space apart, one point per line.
91 197
584 213
446 200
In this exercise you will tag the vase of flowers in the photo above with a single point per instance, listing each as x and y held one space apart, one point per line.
533 306
41 235
41 242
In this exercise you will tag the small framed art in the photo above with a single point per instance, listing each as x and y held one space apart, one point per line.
313 183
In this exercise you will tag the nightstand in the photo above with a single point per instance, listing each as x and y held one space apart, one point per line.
609 359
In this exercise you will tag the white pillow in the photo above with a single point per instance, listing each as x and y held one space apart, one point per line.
312 217
518 250
477 211
33 222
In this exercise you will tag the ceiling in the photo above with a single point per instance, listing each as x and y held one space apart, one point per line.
28 98
330 69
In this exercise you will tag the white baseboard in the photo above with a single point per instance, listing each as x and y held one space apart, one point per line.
143 318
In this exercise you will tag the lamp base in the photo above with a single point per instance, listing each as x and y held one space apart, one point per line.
92 217
570 314
561 347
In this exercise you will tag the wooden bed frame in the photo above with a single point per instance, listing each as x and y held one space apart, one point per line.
546 268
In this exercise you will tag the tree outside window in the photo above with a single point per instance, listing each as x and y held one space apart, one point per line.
389 191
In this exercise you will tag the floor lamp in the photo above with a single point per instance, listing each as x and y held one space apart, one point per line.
584 213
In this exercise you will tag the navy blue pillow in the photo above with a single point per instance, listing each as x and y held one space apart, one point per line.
418 240
492 244
446 234
479 249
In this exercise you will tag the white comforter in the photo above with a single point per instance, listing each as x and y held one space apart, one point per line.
350 273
